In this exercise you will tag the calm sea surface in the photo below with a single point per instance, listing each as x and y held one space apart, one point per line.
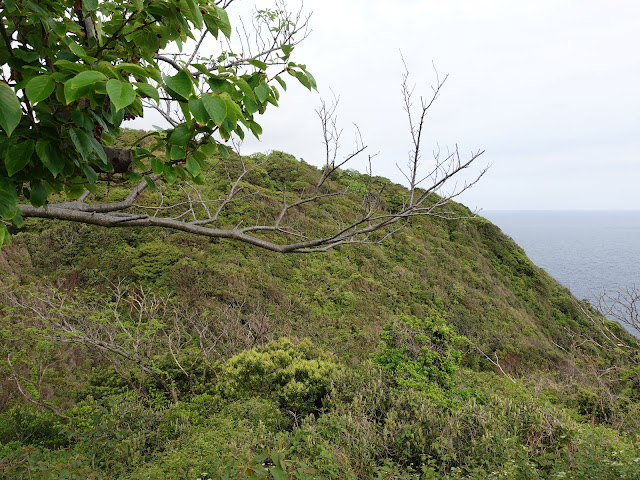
586 252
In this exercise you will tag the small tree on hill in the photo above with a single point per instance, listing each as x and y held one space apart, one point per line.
74 70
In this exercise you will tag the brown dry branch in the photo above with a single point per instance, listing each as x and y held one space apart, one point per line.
126 327
371 223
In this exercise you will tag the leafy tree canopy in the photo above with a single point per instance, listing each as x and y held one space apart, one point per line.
74 70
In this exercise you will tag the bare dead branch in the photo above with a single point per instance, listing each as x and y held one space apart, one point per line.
275 226
28 396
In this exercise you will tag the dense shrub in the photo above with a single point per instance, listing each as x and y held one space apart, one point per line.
421 353
296 376
423 407
30 426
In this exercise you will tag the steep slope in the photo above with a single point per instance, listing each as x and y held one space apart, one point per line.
142 324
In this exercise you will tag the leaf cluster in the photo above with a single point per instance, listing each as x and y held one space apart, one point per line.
74 71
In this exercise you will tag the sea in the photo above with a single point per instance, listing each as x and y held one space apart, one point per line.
586 251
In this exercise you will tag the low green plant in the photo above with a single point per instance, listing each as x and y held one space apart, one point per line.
29 426
421 353
295 376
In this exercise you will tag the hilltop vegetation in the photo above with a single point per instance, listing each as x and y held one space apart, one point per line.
442 354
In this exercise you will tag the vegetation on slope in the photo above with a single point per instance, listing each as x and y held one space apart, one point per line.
444 353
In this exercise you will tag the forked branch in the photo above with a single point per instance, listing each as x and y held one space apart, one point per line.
275 224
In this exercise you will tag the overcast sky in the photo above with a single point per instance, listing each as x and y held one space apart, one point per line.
550 89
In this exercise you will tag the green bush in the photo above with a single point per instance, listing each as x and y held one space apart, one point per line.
117 433
421 353
154 260
259 411
19 462
29 426
295 376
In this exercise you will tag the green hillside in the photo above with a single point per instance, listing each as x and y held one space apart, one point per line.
442 353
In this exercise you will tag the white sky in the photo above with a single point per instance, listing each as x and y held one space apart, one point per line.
549 88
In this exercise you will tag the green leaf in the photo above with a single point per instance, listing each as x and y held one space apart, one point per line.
180 135
157 166
278 473
74 191
226 128
170 174
108 70
8 204
82 141
200 157
198 111
201 68
220 84
287 49
223 150
17 219
281 82
139 4
99 29
208 148
302 78
154 73
224 24
82 120
233 110
216 107
262 92
258 64
176 153
240 132
147 41
107 139
180 83
186 111
40 87
135 70
196 15
136 108
10 111
18 156
212 24
90 5
312 80
89 173
133 176
103 163
84 79
39 194
245 88
193 167
64 65
74 88
148 91
199 180
272 99
120 93
137 164
4 235
100 120
50 155
256 129
28 56
35 8
150 183
250 106
77 50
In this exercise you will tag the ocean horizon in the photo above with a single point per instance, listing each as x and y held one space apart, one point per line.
587 251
